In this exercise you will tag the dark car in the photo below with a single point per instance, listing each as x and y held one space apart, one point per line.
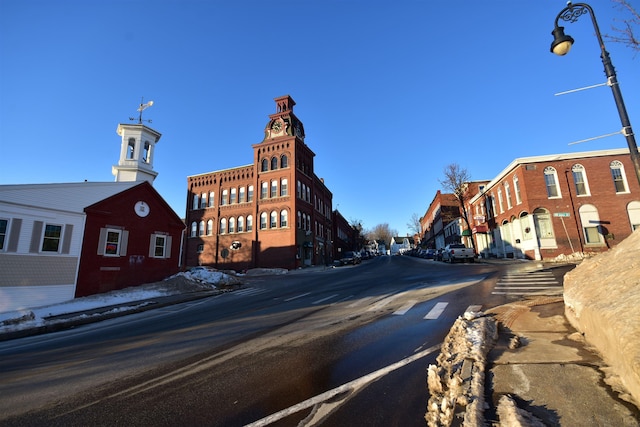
350 257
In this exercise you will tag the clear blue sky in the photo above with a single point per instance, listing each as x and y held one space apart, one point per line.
390 92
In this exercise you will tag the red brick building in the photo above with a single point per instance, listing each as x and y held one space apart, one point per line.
544 206
273 213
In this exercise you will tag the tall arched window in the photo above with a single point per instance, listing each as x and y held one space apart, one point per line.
250 194
284 161
263 220
209 227
194 229
146 156
299 220
131 148
265 165
274 163
223 226
619 177
243 195
225 197
249 222
516 189
233 195
212 198
274 188
580 180
591 225
284 218
240 224
232 225
284 189
201 229
551 181
273 223
633 209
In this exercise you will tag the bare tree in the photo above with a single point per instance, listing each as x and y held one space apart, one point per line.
456 180
382 232
414 225
626 31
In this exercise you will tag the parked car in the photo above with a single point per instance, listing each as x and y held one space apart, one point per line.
428 253
350 257
438 254
457 252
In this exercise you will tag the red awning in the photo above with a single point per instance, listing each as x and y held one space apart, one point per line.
480 229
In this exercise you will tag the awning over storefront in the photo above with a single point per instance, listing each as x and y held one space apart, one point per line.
480 229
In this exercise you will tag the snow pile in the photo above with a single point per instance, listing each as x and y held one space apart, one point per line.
602 296
456 382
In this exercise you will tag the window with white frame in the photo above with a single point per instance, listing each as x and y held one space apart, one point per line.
201 229
263 220
52 237
240 224
284 216
131 148
580 180
507 194
223 226
225 197
242 195
194 229
590 221
209 227
274 188
212 199
619 177
233 195
112 243
146 156
160 246
264 189
284 187
284 161
265 165
250 194
203 201
232 225
500 201
196 201
299 190
299 220
516 188
250 223
274 219
3 233
542 221
551 182
633 210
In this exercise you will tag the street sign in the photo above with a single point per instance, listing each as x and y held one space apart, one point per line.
561 214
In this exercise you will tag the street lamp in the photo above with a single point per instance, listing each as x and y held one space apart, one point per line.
562 44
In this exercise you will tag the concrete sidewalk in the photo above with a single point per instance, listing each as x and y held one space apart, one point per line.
546 368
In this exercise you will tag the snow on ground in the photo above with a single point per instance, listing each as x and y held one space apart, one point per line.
195 280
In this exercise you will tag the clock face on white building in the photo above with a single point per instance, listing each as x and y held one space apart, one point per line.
142 209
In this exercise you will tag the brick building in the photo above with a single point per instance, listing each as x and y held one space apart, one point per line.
544 206
273 213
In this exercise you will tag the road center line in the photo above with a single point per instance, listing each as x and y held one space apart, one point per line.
297 296
324 299
359 382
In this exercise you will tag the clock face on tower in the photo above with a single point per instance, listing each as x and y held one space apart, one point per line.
277 126
141 209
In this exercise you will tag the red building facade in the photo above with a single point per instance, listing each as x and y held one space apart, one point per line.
273 213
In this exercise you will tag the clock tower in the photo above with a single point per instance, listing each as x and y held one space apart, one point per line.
136 151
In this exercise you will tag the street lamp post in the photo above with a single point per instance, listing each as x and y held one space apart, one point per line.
561 46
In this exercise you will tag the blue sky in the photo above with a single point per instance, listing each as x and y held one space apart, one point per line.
390 92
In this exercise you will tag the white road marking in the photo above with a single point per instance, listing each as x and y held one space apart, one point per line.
436 311
359 302
403 310
357 383
297 296
324 299
383 302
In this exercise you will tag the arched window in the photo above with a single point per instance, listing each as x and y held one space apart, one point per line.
274 219
507 194
196 202
240 224
619 177
299 220
201 229
551 181
194 229
146 156
263 220
131 148
284 218
203 201
274 163
299 191
225 197
580 180
591 225
212 198
223 226
250 223
233 196
633 209
274 188
308 194
284 189
263 190
542 221
209 227
250 194
284 161
516 188
232 225
243 195
265 165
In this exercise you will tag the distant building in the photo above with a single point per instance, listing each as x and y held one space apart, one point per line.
59 241
274 212
400 245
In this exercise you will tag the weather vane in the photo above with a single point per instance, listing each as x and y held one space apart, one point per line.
142 107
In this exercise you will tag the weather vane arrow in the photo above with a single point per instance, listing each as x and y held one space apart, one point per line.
142 107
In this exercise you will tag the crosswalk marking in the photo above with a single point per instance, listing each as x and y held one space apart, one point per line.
249 291
403 310
436 311
525 283
383 302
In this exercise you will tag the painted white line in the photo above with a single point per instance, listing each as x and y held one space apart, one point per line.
324 299
403 310
473 308
383 302
436 311
527 287
297 296
342 299
357 383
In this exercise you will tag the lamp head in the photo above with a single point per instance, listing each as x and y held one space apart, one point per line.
561 43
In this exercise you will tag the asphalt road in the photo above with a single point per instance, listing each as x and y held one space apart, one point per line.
343 346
